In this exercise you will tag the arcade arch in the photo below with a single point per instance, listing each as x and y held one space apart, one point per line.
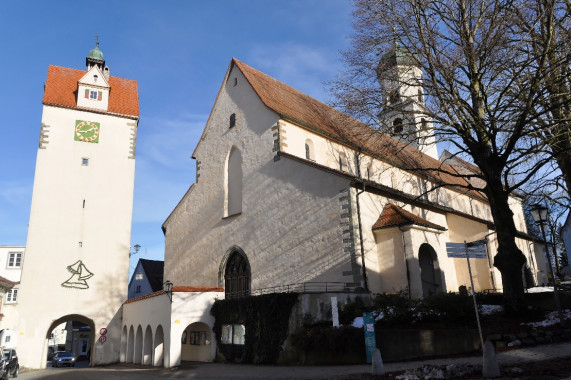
143 348
196 343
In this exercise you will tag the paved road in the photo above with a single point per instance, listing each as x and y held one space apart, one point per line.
219 371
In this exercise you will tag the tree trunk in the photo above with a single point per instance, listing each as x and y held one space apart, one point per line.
509 259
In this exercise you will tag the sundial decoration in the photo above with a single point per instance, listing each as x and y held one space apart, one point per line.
86 131
79 276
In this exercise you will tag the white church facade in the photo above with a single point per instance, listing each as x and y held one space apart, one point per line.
291 195
301 193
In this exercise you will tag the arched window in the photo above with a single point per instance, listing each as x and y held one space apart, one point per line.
430 275
233 183
309 152
423 124
397 125
419 95
232 120
237 276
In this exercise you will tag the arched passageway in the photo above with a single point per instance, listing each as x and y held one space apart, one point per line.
429 270
148 347
71 333
137 358
158 347
196 343
131 346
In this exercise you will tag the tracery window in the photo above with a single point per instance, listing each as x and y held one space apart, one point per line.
237 276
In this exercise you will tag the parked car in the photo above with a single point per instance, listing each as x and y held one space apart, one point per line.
9 364
62 359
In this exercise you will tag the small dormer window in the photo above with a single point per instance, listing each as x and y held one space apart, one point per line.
95 78
93 95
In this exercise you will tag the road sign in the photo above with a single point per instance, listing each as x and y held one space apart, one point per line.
103 331
473 250
102 339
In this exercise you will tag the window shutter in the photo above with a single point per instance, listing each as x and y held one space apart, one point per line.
86 94
99 93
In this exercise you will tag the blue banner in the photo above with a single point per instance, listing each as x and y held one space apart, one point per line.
370 339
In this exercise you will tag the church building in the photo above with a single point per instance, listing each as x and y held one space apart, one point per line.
293 195
290 191
77 251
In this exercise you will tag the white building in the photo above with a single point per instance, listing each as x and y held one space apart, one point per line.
77 251
289 190
11 263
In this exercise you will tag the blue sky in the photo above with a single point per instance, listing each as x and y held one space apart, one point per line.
178 52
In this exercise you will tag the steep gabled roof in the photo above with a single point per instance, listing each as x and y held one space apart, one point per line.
394 216
61 90
303 110
154 271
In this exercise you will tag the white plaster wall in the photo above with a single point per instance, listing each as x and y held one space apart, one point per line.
327 154
186 308
289 226
59 222
100 84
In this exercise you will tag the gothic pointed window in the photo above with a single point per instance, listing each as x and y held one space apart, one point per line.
237 276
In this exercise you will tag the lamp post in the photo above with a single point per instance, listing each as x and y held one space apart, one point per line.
167 287
539 214
137 247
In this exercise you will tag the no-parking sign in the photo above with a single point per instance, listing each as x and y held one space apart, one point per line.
103 331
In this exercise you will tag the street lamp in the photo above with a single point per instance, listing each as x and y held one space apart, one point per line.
167 287
137 247
539 214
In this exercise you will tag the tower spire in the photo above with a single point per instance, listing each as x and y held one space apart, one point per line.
95 57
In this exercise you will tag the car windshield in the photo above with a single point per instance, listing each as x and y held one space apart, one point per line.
65 355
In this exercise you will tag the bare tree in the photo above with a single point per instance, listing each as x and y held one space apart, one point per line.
483 91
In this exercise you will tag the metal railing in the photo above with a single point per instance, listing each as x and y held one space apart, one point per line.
308 287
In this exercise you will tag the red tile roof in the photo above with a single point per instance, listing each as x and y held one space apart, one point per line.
301 109
61 90
394 216
187 289
4 282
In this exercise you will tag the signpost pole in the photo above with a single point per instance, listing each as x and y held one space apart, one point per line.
474 295
370 338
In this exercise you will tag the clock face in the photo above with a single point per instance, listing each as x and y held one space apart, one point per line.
86 131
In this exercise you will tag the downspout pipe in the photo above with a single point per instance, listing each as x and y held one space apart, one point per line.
363 268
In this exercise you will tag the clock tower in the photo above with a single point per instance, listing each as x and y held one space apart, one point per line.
77 252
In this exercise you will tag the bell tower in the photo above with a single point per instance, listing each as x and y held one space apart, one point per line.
77 251
400 78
